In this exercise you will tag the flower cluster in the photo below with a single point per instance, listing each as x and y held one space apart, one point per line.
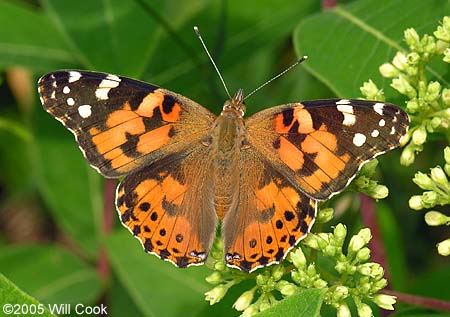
436 188
357 279
365 184
428 103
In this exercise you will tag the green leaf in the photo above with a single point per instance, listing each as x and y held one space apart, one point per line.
306 303
28 38
347 44
56 275
102 35
157 287
69 186
11 294
248 52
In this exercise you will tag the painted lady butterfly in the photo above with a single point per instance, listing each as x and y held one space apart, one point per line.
185 169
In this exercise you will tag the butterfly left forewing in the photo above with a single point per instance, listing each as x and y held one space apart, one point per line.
320 145
271 216
121 124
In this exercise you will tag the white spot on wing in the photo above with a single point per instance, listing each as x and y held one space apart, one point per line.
382 123
378 108
53 95
66 90
375 133
392 130
343 102
359 139
111 81
85 111
347 111
70 101
74 76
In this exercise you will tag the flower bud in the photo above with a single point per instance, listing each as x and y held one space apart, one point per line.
219 265
365 269
447 169
443 31
379 192
435 218
250 311
412 38
433 124
261 279
329 251
415 202
319 283
438 176
419 136
340 292
286 288
413 58
402 85
412 105
356 243
325 215
364 310
363 254
371 91
379 285
384 301
446 55
214 278
297 257
339 232
423 181
446 96
244 300
444 247
433 91
447 154
343 311
277 272
400 61
407 156
365 234
388 70
216 294
430 198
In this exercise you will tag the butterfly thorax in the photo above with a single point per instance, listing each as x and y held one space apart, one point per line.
227 136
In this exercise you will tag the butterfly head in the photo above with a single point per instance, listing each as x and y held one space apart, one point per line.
236 103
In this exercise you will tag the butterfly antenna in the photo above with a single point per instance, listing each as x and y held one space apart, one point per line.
303 58
197 31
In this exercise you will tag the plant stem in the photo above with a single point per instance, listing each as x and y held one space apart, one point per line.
420 300
103 267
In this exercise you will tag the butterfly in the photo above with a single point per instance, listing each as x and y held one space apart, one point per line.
185 170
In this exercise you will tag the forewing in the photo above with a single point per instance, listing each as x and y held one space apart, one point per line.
271 217
169 207
320 145
119 123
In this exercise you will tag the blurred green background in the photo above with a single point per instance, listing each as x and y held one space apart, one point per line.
57 241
